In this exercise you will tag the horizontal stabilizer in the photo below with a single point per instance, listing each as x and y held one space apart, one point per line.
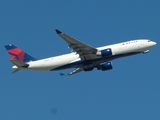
16 70
19 63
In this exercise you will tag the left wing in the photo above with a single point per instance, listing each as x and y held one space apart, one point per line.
85 51
73 72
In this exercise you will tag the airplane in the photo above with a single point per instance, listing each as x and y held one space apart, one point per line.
83 57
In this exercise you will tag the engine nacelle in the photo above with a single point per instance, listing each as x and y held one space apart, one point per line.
106 52
105 66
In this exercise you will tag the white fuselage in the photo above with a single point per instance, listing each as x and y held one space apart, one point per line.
64 61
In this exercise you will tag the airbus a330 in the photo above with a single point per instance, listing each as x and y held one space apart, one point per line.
83 57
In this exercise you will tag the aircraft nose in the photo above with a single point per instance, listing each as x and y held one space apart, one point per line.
154 43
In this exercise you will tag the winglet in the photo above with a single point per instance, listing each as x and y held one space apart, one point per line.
58 32
62 74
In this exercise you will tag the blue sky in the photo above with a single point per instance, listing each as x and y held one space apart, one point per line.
130 91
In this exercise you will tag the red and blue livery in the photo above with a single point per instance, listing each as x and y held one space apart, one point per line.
18 54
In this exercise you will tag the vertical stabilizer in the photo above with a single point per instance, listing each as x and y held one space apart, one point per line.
18 54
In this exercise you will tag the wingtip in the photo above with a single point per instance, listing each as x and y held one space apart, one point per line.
58 32
62 74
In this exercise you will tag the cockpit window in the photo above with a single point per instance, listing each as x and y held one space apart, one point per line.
149 41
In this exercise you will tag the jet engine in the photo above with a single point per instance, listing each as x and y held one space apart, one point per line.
105 52
105 66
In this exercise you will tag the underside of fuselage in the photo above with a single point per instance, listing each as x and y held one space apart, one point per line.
96 62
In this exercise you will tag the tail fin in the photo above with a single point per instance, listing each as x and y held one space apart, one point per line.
18 54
